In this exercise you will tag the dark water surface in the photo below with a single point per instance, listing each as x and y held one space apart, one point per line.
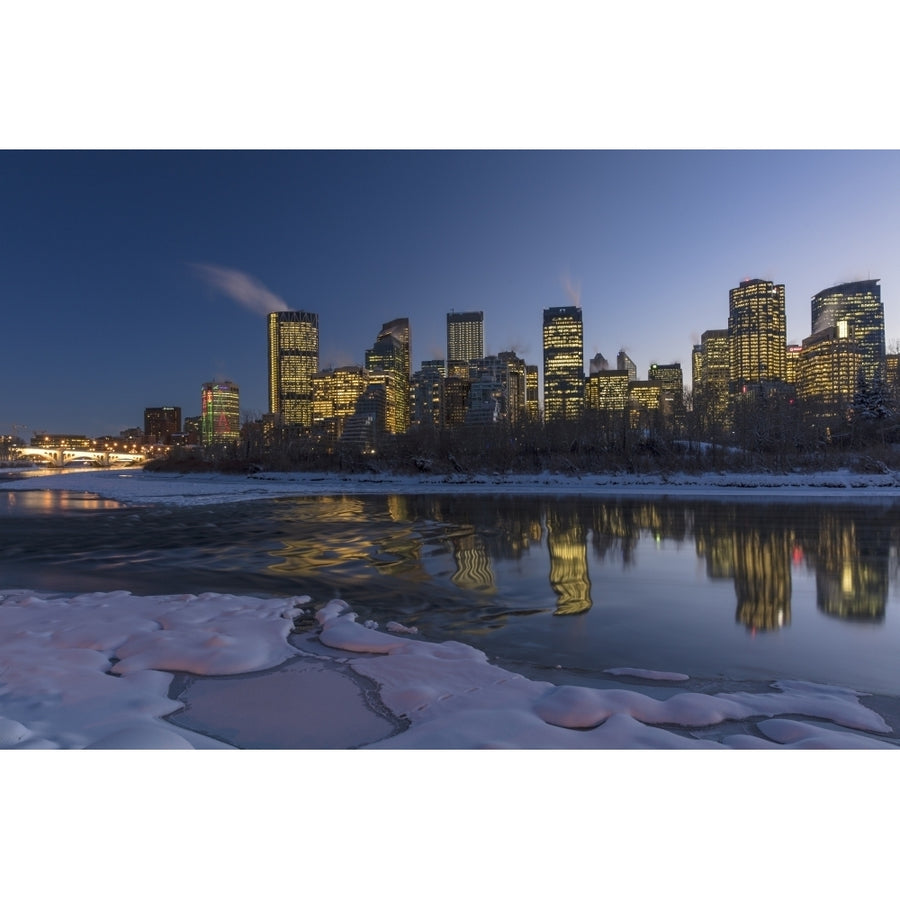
721 591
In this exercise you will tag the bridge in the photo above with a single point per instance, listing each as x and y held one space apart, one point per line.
60 456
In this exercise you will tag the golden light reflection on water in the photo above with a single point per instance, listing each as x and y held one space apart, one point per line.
756 550
56 501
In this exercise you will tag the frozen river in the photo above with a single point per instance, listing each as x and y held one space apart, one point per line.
557 587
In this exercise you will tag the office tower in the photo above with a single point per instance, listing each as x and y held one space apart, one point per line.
563 363
434 365
696 367
644 405
335 393
671 381
624 361
515 378
711 379
859 304
606 391
599 363
160 423
830 361
293 360
465 338
532 393
220 413
388 363
792 363
498 386
456 401
757 334
427 398
193 430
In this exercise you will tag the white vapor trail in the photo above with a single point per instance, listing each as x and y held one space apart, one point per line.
240 287
572 289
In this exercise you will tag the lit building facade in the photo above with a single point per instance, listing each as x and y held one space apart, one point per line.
644 405
712 373
858 303
532 393
427 398
389 363
830 361
606 390
792 363
671 382
220 413
335 394
293 361
757 334
465 338
563 363
160 423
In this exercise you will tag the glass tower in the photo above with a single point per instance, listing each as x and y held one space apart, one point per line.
293 361
389 363
220 412
858 303
563 363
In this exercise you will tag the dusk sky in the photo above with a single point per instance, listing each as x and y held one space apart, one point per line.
130 278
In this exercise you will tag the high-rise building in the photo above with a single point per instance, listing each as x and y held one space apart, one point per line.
293 360
644 405
624 361
606 390
427 398
160 423
829 366
389 363
465 338
859 304
757 334
671 381
220 413
335 393
563 363
532 393
711 379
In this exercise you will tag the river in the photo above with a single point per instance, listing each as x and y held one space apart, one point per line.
729 593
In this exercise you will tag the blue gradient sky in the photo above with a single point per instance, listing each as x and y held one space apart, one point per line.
107 308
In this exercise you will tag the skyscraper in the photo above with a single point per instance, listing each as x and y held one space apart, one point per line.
711 380
220 413
757 334
160 423
563 363
389 363
829 365
858 303
465 339
293 361
671 381
624 361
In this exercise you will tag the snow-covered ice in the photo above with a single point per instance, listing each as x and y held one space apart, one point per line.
94 670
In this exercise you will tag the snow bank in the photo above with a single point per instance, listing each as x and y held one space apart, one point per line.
94 670
137 486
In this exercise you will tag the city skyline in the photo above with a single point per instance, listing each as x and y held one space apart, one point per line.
133 277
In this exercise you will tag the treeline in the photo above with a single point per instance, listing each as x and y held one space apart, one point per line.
767 434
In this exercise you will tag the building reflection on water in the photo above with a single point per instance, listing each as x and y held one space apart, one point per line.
567 545
757 546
